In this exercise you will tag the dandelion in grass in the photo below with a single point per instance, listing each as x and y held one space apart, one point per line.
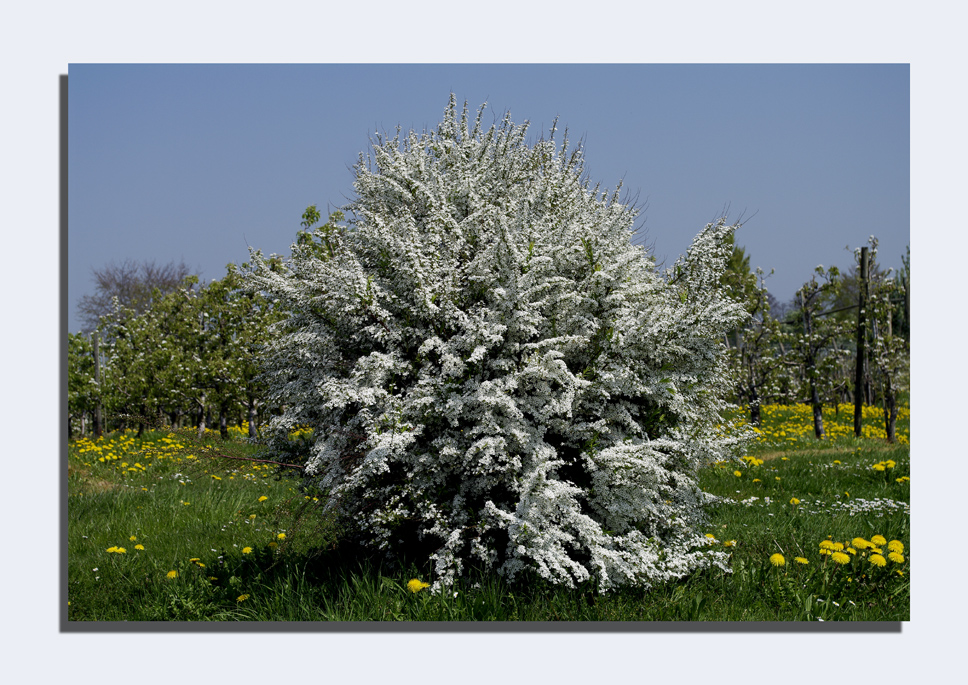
878 467
416 586
851 550
273 545
879 540
801 560
794 501
710 536
895 546
777 477
242 598
838 547
132 538
120 550
729 543
263 498
837 461
141 547
890 463
737 473
251 517
111 550
826 544
896 557
860 543
172 574
281 536
840 558
246 550
878 560
777 560
757 480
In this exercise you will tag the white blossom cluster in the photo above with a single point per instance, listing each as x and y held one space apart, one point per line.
494 371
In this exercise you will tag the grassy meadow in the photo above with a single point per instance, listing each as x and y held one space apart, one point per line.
170 528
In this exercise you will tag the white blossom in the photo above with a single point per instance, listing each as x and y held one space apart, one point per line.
492 369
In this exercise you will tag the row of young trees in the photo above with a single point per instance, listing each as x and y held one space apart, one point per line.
175 352
810 353
178 357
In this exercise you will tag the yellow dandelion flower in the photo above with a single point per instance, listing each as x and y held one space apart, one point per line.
111 550
890 463
838 547
737 473
800 560
836 461
194 559
896 557
878 467
141 547
416 585
246 550
132 538
173 574
895 546
757 480
777 560
729 543
281 536
272 545
878 560
794 501
879 540
710 536
263 498
251 516
777 477
851 550
840 558
120 550
826 544
242 598
860 543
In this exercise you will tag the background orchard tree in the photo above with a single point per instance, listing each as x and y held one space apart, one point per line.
889 349
495 375
754 356
135 285
815 348
82 390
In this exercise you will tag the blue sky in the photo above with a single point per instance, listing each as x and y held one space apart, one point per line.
197 162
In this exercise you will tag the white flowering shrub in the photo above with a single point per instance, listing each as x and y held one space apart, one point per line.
492 371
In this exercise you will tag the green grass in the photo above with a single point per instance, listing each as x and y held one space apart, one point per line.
310 576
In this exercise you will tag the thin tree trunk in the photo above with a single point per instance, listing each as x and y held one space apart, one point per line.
812 373
223 420
201 417
253 431
890 410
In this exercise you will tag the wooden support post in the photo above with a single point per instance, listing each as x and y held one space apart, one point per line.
861 342
98 414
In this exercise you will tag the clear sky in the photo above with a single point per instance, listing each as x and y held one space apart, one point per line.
197 162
